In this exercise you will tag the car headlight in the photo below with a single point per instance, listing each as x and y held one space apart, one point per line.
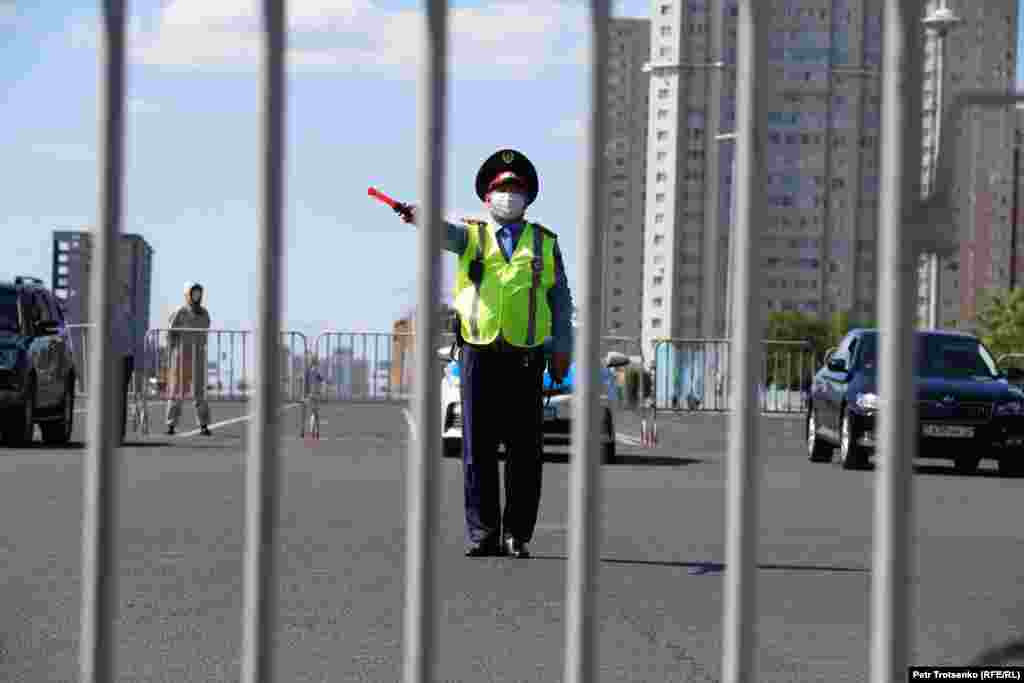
867 401
1010 408
8 359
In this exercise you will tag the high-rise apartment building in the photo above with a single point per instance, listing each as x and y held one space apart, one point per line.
626 153
72 272
817 241
980 54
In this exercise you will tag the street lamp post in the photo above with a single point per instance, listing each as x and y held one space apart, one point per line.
723 137
939 24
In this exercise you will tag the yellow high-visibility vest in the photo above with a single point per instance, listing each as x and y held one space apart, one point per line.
511 299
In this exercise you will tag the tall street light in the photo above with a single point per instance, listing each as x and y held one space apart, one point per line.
938 24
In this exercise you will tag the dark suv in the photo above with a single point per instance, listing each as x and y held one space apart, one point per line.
967 408
37 371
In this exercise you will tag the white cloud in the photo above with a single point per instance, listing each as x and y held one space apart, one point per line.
8 13
138 105
66 151
521 38
571 128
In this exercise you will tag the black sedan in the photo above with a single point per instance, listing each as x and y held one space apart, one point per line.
967 408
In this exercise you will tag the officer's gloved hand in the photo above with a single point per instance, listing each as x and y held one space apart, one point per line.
409 215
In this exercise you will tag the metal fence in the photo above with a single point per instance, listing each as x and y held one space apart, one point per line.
694 375
368 366
899 211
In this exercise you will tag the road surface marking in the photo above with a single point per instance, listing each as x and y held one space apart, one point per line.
410 421
234 420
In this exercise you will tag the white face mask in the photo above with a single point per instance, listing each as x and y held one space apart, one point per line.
507 206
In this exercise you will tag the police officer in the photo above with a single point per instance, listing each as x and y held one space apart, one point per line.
513 305
188 358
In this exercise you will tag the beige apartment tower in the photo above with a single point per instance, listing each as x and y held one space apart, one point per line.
817 240
626 152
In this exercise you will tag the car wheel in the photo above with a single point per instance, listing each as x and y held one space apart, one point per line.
967 464
851 455
20 426
608 448
58 432
453 448
1011 467
817 450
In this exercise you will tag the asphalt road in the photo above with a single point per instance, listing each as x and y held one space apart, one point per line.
660 581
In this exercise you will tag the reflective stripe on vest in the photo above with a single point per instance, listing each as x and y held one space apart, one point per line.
512 297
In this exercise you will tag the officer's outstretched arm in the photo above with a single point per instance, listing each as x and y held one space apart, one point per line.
455 235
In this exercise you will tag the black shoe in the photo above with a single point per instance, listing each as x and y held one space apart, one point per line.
485 549
205 431
170 430
516 548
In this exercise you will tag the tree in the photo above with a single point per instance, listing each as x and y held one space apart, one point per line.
1001 321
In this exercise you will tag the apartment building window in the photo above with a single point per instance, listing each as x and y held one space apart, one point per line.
660 177
659 218
659 259
666 31
618 244
658 280
620 162
618 260
619 228
666 10
658 239
658 302
661 156
664 93
617 291
662 114
660 197
662 135
619 194
665 52
656 323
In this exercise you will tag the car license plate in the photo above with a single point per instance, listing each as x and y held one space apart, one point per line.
949 431
550 412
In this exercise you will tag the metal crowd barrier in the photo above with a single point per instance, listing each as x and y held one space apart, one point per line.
692 375
900 148
79 337
368 366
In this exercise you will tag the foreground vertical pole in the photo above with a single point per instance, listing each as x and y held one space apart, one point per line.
742 495
421 504
262 472
584 486
900 147
100 495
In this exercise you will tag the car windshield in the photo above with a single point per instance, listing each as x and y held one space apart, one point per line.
8 310
940 356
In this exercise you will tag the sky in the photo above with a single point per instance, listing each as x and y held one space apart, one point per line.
518 77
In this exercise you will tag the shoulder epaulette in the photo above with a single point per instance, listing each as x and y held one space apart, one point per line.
473 221
547 231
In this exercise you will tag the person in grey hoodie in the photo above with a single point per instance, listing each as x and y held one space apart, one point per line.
188 358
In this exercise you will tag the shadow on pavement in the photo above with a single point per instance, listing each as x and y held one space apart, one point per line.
718 567
950 471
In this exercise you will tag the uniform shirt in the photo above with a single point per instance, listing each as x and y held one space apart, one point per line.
559 297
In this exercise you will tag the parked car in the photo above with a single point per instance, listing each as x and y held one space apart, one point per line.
37 370
557 406
967 407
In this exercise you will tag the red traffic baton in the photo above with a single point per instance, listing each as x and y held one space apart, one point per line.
400 208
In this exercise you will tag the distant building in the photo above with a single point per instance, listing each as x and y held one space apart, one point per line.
72 272
402 364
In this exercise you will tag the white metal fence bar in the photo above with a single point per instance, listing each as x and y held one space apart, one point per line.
900 151
100 495
421 622
742 494
585 484
262 472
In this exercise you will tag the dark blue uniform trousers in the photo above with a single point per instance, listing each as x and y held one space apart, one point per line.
501 403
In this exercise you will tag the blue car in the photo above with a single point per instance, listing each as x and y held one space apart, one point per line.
557 407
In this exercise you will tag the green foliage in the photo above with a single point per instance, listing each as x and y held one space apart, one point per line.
796 326
1000 321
